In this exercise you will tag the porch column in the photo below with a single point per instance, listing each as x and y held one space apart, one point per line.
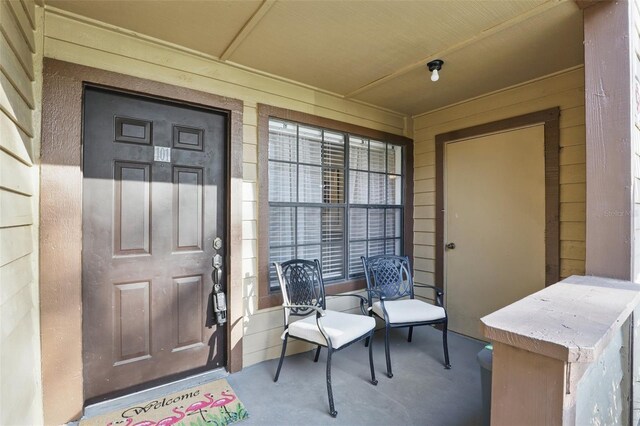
612 107
611 175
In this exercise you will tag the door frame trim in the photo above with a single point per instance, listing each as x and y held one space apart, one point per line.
61 223
550 118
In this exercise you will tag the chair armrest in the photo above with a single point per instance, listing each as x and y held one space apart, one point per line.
439 292
376 293
363 300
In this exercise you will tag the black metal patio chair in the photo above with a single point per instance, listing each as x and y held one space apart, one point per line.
303 295
389 281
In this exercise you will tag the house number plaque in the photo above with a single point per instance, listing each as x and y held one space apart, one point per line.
161 154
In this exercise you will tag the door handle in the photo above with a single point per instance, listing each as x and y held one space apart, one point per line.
451 246
217 275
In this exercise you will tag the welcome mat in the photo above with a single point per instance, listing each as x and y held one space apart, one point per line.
210 404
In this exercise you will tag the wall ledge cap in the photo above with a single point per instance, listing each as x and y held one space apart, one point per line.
572 320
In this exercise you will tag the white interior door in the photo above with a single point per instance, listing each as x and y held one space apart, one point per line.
495 216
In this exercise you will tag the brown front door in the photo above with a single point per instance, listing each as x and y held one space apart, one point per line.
153 203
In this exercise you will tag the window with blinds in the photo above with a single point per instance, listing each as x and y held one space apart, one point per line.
332 197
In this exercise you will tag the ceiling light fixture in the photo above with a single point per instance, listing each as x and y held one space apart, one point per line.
434 67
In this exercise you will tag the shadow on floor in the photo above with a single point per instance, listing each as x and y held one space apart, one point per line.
421 391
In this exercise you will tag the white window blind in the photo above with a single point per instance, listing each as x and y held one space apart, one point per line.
333 197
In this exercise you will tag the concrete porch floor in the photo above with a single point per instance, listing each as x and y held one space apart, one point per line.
421 391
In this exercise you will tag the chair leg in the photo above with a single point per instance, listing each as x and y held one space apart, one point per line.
447 365
332 410
284 349
410 334
386 351
366 341
317 354
373 373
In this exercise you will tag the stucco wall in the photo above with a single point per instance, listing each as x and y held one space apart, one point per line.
602 395
78 40
565 90
20 100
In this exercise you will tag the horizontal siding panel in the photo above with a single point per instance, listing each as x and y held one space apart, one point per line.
570 267
15 106
257 341
263 321
573 212
249 210
250 114
293 347
576 154
10 28
15 243
14 141
18 358
572 231
422 277
424 145
426 172
573 193
13 311
570 117
428 294
250 135
427 265
424 199
574 173
425 225
249 172
428 252
424 238
575 250
14 175
571 81
570 136
13 70
424 185
249 153
425 159
15 209
20 15
568 99
14 276
30 7
424 212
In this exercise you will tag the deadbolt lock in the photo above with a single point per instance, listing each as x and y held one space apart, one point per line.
217 243
451 246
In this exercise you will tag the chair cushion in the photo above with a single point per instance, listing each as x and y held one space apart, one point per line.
409 310
342 328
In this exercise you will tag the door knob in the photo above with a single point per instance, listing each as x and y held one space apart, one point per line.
451 246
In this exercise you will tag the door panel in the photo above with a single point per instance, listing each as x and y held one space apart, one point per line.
495 216
153 202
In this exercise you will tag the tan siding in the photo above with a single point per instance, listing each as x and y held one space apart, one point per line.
20 388
79 42
16 209
565 90
13 34
14 141
12 68
20 15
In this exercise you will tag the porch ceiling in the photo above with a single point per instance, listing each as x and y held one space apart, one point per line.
368 51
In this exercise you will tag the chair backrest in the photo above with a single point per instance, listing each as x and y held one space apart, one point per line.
388 274
301 284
